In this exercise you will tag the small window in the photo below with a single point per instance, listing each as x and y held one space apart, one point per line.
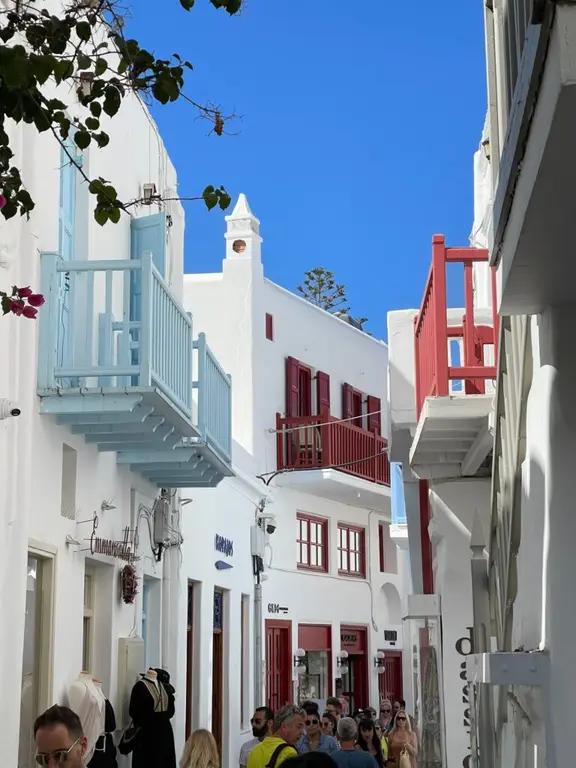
381 548
351 550
269 327
88 624
312 543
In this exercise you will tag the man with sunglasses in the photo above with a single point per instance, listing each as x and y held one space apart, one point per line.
59 738
262 725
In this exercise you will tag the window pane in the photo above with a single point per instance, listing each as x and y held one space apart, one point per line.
320 533
313 530
314 556
304 554
354 563
88 591
320 556
344 560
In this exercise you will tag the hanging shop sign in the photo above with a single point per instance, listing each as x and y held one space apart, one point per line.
223 545
353 640
464 646
121 550
276 608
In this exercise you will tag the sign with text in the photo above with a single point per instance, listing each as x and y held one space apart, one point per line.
464 646
276 608
224 546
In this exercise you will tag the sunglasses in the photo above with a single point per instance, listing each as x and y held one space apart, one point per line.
312 722
61 755
400 718
387 711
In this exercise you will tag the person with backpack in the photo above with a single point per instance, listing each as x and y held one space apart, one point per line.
275 749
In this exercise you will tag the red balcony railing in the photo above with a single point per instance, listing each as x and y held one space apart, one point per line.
323 442
432 332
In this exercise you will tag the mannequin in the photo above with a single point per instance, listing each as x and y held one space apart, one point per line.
151 708
89 705
105 749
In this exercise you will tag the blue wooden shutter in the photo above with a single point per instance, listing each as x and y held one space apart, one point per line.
66 247
148 235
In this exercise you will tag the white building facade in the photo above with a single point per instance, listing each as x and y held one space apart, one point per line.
113 420
309 456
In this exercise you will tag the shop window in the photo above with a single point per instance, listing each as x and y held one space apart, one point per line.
312 543
88 627
35 695
245 662
351 550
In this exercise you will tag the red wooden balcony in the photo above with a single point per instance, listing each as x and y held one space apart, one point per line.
432 332
324 442
454 435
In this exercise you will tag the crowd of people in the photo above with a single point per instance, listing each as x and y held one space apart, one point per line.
295 737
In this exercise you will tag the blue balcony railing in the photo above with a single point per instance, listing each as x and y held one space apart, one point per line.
116 362
214 402
99 333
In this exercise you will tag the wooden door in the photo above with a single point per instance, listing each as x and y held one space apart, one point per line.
66 250
278 664
390 682
189 658
217 668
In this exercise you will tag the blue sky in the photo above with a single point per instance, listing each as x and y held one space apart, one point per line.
359 122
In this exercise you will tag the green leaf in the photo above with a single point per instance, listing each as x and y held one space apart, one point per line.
114 215
10 209
224 200
160 92
84 62
101 215
187 4
82 139
42 67
210 198
101 67
62 70
112 100
96 108
56 104
92 123
83 30
102 139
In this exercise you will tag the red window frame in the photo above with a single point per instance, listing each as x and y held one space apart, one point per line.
381 548
351 550
269 327
306 525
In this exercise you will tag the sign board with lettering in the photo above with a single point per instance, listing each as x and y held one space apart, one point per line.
275 608
353 640
224 546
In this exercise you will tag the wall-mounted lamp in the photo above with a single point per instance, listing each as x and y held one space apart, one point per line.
379 662
107 506
486 148
86 79
148 193
300 661
341 665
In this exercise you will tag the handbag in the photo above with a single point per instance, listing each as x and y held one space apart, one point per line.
128 739
405 761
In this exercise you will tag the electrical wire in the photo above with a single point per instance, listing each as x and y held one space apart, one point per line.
272 475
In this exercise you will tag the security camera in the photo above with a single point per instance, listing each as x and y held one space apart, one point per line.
8 409
267 522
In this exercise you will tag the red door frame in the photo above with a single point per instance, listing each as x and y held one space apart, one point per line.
389 688
285 665
360 661
315 642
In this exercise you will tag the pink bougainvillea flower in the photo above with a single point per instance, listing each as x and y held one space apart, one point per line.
30 312
36 299
16 307
2 202
24 293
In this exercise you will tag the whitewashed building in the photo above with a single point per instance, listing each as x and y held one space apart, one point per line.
108 396
309 455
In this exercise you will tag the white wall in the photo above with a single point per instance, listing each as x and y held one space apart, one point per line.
31 446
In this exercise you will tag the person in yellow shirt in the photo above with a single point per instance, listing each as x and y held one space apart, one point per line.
275 749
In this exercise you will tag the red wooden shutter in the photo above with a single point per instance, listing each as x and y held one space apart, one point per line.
374 407
347 409
269 327
323 393
292 399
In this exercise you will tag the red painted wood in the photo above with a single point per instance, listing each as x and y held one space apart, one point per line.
292 387
352 550
426 545
315 637
347 407
309 446
323 393
374 419
381 548
357 677
279 663
310 553
431 330
390 682
495 317
269 327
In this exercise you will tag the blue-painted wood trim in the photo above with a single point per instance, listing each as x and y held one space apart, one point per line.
48 331
181 455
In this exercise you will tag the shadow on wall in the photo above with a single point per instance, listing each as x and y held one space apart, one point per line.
390 597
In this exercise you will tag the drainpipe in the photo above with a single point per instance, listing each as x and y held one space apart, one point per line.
258 650
483 754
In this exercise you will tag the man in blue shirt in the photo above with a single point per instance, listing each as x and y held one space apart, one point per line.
348 756
314 740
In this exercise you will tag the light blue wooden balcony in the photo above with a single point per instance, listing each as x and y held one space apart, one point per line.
117 362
